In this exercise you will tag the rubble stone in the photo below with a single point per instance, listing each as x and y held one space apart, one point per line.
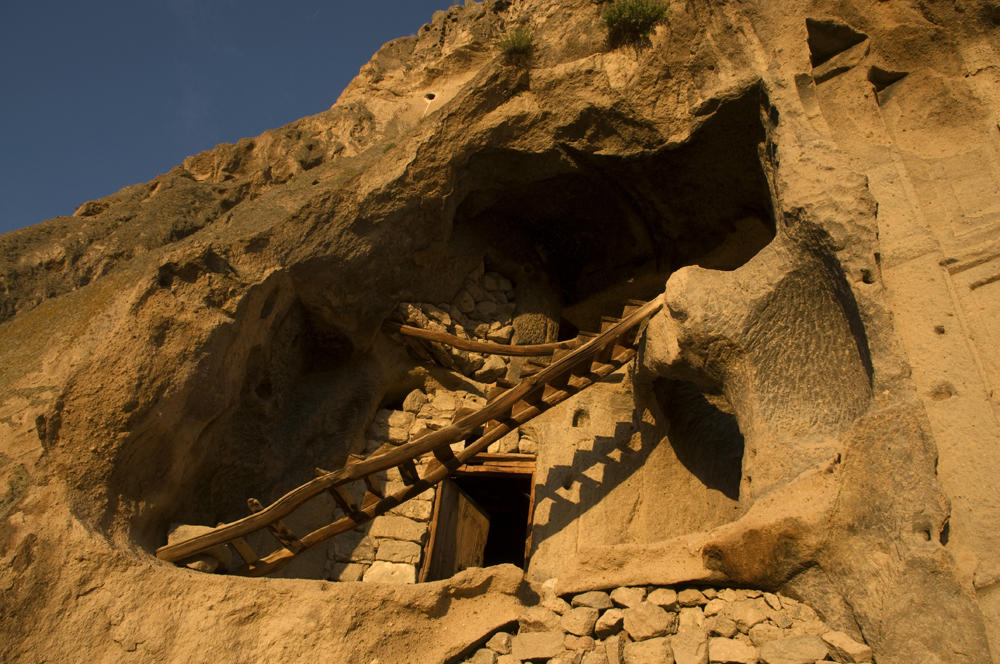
715 606
765 632
728 651
500 643
628 597
538 619
690 647
556 605
417 510
613 646
398 528
598 656
492 370
401 419
651 651
385 572
580 621
354 546
399 552
648 621
483 656
610 622
794 650
664 597
690 618
579 643
845 649
595 600
746 614
691 597
722 626
537 645
347 572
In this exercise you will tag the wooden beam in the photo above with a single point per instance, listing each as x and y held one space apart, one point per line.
477 346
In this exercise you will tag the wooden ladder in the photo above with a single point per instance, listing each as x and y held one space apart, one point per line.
575 365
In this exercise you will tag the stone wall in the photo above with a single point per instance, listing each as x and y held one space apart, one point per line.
656 625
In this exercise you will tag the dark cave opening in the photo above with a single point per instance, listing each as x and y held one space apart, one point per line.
610 228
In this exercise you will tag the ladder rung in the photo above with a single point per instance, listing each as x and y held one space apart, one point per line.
246 553
281 532
408 471
607 323
340 495
447 457
374 486
551 389
370 499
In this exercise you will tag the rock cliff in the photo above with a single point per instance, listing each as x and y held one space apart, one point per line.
815 188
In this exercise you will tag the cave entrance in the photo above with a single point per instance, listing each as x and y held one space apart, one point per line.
482 516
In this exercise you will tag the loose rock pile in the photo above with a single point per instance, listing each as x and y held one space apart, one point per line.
483 311
664 626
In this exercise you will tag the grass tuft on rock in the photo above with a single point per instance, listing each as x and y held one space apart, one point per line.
631 22
517 47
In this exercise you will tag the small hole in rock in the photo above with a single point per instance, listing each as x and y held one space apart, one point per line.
429 96
866 277
581 418
264 389
939 329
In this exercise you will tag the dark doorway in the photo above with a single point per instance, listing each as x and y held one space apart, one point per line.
507 501
482 516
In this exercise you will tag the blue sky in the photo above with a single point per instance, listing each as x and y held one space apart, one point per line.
98 95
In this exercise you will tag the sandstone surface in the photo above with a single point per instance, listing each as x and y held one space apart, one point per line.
813 188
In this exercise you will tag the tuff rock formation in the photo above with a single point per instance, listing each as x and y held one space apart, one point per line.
814 185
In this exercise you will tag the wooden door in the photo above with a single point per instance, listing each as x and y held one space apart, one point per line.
459 533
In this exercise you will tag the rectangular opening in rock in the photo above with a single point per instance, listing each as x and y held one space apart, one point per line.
482 516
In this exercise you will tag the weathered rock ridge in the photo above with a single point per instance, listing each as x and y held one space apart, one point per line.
815 188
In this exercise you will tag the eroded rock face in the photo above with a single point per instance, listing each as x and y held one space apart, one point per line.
816 185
